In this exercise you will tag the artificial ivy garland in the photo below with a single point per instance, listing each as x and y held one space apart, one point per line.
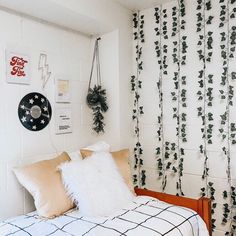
96 100
161 52
228 128
96 97
179 93
136 84
204 93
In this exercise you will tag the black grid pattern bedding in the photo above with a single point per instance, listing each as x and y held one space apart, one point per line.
145 216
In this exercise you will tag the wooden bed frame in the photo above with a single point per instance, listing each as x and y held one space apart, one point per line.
202 205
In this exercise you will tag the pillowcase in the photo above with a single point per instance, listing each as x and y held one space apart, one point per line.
99 146
43 180
75 156
96 185
121 159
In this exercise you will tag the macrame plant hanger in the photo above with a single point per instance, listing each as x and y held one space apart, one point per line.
95 57
96 97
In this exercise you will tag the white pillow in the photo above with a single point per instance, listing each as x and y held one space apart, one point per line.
100 146
96 185
75 156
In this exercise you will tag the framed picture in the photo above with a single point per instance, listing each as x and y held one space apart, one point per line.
63 91
63 120
17 68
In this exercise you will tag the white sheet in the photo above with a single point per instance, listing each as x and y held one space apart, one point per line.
145 216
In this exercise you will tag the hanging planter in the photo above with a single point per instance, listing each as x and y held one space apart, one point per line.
96 97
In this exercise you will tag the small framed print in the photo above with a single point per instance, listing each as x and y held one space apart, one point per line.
17 68
63 91
63 120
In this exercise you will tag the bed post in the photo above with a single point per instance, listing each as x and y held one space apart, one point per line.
202 205
204 210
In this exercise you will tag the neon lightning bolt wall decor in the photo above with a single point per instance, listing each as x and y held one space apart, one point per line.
44 68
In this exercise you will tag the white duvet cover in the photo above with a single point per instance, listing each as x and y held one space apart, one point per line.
145 216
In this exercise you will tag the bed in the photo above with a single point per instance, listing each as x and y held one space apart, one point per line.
150 213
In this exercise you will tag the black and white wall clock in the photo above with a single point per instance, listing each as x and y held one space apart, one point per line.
34 111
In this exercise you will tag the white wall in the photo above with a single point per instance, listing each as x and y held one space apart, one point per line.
112 16
109 56
69 56
193 162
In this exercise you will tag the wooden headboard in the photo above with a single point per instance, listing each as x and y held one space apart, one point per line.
202 205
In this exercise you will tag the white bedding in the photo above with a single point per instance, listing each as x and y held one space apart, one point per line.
145 216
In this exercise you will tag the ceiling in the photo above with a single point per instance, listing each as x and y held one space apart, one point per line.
76 15
140 4
57 13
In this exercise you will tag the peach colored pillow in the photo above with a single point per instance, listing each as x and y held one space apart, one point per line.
43 180
121 159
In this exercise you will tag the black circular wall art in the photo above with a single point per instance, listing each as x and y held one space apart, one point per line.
34 111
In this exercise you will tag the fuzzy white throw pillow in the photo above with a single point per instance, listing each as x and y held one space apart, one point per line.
96 185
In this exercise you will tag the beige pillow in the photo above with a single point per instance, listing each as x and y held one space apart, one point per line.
121 159
43 180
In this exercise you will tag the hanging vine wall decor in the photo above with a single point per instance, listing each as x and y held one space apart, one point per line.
228 129
208 69
205 91
139 176
161 49
179 93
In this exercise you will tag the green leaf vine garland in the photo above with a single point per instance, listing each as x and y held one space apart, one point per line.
228 129
97 101
205 91
161 53
179 98
136 84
